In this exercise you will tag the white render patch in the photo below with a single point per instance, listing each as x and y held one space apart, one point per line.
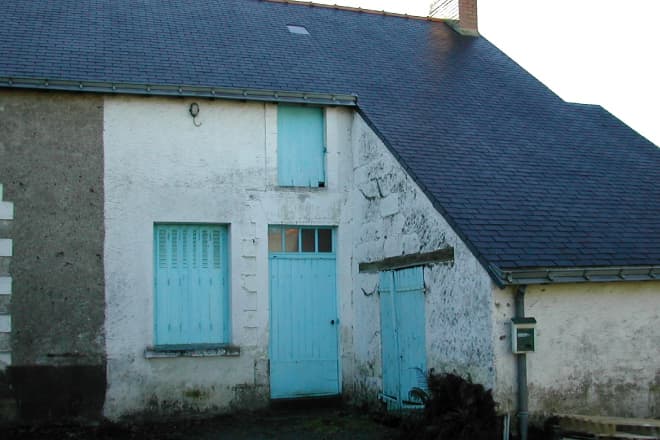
296 29
6 210
5 323
5 247
389 205
5 360
5 285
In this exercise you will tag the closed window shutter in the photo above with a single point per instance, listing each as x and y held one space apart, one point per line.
191 285
301 146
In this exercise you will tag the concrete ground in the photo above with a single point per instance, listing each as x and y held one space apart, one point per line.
287 424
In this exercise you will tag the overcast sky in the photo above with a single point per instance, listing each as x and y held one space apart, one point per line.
603 52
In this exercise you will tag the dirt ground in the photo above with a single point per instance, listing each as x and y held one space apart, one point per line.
317 424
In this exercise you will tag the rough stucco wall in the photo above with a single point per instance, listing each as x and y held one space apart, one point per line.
51 163
161 168
597 348
393 217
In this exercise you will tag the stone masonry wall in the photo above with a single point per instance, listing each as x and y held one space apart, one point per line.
6 215
7 405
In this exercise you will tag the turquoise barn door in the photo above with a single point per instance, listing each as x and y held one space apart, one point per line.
304 323
388 332
403 341
409 306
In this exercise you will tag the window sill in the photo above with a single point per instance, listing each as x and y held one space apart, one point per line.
200 350
291 188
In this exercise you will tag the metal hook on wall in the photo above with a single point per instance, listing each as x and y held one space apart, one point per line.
365 293
194 111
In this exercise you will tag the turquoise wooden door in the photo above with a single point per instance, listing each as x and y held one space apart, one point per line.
304 323
403 342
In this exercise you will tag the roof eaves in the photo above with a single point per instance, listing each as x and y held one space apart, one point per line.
242 94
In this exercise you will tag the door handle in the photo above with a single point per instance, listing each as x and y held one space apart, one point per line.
332 322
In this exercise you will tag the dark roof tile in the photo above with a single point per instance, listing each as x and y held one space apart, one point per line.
525 178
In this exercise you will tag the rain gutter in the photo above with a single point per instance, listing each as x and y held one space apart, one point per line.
552 275
521 369
243 94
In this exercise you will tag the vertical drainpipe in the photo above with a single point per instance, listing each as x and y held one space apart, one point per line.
521 361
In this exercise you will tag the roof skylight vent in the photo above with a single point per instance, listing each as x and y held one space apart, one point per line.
295 29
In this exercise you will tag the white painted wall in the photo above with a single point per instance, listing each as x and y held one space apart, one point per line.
159 167
597 349
395 218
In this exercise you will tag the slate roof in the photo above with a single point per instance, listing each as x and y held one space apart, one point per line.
526 179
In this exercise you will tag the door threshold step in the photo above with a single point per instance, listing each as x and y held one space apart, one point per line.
307 403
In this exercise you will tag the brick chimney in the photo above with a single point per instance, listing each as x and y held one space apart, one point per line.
460 15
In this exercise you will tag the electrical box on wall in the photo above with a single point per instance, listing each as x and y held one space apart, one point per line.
523 332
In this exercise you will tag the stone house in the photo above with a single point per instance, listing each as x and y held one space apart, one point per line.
216 204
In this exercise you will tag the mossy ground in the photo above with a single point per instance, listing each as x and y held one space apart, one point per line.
326 424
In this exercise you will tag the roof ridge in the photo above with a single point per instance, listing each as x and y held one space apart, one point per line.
357 9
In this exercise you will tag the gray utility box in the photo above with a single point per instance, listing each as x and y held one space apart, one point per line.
523 332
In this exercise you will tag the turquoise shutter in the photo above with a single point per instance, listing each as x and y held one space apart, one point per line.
191 304
301 146
409 304
389 345
403 341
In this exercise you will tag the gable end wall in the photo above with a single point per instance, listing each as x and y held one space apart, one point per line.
394 217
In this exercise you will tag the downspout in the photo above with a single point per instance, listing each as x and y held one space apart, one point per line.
521 361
